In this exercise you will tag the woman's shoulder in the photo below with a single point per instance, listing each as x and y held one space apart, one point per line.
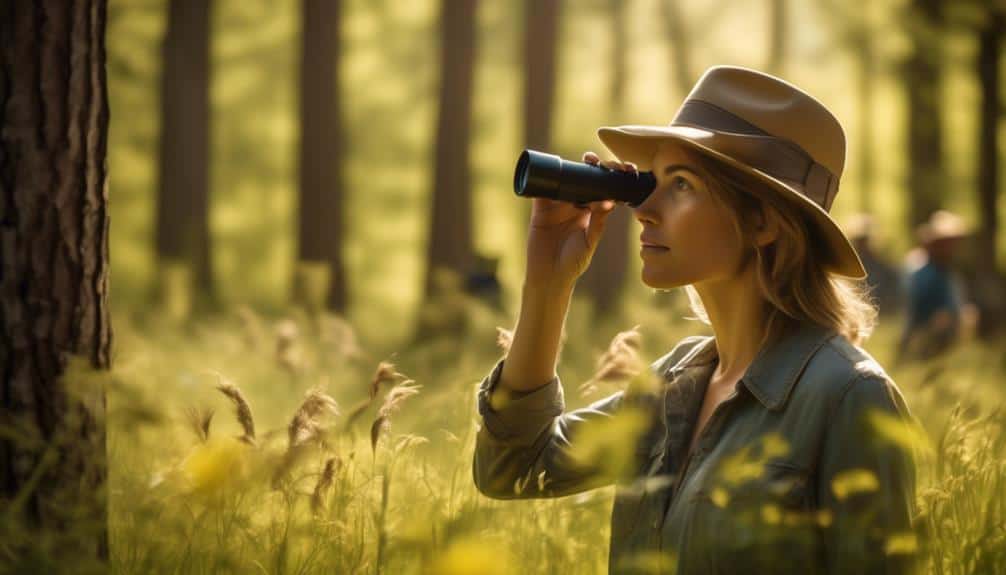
846 361
684 349
841 368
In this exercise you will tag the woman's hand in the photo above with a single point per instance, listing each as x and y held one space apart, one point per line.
563 236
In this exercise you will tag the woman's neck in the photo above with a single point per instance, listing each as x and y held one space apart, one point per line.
736 311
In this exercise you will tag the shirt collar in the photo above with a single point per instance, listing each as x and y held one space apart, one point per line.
774 372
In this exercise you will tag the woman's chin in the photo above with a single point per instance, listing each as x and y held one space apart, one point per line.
657 281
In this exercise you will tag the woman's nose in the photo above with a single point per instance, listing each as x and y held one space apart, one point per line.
646 212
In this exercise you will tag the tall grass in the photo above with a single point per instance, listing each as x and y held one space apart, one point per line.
246 467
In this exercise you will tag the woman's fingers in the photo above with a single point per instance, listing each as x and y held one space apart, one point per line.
620 166
594 160
602 206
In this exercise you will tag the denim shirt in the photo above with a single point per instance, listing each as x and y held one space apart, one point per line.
798 471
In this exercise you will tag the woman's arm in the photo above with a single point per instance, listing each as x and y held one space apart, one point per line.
522 398
529 447
520 402
526 448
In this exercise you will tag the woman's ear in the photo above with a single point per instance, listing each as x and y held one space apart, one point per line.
766 226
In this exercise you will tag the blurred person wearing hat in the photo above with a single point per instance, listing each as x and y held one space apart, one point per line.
937 310
882 277
746 175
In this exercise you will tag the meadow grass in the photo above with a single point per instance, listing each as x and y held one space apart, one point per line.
281 445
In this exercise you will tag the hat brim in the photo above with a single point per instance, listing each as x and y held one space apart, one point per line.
637 144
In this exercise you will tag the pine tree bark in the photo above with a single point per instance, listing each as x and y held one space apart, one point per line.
679 42
990 281
183 232
604 280
541 43
53 280
321 229
923 85
865 76
450 245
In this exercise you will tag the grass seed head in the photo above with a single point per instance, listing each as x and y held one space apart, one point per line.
620 362
504 338
385 374
198 420
241 407
332 465
392 403
305 424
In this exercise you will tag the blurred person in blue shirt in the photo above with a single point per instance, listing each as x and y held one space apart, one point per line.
936 303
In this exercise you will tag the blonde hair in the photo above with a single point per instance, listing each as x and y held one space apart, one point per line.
794 283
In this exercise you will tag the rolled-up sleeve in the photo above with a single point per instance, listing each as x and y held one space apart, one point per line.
522 449
867 480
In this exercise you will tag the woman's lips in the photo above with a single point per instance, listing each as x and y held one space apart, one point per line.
652 249
647 246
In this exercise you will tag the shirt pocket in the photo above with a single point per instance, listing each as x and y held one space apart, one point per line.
765 522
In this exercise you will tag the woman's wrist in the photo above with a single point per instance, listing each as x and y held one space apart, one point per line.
530 362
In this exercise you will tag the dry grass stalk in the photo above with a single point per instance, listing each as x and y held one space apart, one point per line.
339 336
241 407
251 326
198 420
332 466
392 403
386 373
409 441
620 362
504 338
305 424
305 427
356 412
288 354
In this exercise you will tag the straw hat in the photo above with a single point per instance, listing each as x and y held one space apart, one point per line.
942 225
765 127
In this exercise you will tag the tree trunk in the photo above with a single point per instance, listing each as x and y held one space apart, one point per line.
604 279
923 84
321 229
183 236
679 42
864 98
541 41
990 283
778 34
53 282
450 239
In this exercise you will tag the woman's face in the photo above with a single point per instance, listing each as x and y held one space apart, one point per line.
695 232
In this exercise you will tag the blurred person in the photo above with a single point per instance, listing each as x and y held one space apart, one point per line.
746 174
882 277
937 308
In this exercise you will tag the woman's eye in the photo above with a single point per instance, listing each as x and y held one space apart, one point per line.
680 183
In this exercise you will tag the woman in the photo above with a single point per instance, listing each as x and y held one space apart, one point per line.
761 452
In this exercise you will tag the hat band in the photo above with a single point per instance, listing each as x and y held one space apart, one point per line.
778 157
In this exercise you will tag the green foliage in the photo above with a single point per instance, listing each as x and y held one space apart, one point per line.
390 77
187 495
354 492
